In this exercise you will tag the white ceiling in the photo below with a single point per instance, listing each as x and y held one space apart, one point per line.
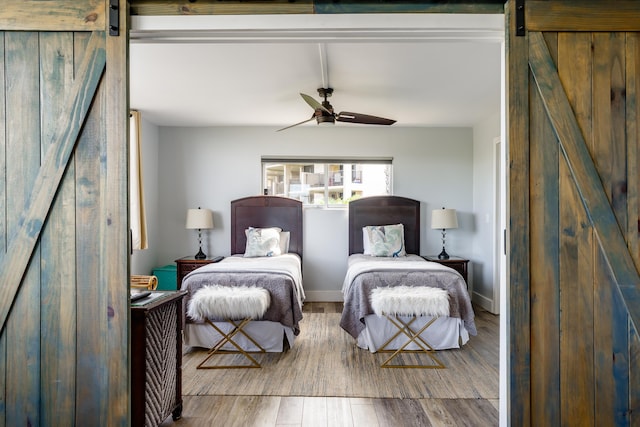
421 70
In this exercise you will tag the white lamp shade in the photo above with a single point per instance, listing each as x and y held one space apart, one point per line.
199 218
444 218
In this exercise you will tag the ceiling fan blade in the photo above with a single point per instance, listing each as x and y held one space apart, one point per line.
299 123
348 117
313 103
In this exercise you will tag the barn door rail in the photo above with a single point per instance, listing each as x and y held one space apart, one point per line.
520 24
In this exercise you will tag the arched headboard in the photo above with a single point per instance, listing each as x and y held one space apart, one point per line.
266 211
384 210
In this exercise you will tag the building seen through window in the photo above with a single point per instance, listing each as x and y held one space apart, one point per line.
328 184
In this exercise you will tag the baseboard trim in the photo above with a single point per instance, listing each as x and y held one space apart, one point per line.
323 296
484 302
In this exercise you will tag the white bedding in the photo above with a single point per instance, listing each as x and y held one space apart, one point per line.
270 335
444 333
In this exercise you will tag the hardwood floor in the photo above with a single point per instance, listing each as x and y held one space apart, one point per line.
271 411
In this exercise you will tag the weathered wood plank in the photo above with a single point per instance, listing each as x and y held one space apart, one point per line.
608 149
633 201
472 412
591 15
545 363
632 109
114 251
59 15
585 175
576 307
92 300
3 216
57 243
23 162
403 412
173 7
609 337
620 369
451 6
577 248
34 207
3 143
518 231
634 376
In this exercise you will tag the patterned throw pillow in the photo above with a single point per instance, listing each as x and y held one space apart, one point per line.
386 240
262 242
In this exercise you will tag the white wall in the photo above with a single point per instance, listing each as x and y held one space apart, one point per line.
209 167
484 279
143 261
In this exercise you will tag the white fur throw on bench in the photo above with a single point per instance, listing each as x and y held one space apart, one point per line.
226 302
410 301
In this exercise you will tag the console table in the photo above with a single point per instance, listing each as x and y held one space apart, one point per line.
156 358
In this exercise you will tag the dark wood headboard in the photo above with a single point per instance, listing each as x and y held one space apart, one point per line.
266 211
384 210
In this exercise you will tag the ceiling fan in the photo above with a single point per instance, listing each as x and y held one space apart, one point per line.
323 113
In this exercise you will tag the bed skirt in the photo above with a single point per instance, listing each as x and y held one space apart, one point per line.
445 333
270 335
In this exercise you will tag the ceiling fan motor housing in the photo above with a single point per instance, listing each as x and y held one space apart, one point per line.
322 117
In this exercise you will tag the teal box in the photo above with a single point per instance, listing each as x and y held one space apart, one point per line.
167 277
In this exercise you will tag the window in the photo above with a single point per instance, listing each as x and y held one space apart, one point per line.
326 182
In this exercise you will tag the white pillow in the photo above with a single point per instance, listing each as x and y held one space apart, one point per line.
285 236
386 240
262 242
366 243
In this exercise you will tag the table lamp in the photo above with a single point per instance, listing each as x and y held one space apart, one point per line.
200 219
444 219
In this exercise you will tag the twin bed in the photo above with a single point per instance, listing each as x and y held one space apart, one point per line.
282 275
367 272
280 272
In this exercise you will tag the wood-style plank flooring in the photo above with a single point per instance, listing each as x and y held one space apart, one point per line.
271 411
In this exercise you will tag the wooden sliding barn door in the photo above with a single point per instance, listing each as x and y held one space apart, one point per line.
574 197
63 214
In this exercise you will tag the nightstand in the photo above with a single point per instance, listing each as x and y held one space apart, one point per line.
455 262
188 263
156 358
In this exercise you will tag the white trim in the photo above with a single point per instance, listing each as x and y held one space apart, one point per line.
317 28
482 301
324 296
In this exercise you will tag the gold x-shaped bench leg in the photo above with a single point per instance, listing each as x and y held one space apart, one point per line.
238 328
405 328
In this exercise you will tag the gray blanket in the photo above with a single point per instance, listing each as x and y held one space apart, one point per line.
284 307
357 300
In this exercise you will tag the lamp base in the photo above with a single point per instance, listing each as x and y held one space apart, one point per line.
443 254
202 255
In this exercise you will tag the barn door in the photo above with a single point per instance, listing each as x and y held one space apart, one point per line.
63 213
574 197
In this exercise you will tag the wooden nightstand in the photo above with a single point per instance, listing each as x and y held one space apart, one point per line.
455 262
188 263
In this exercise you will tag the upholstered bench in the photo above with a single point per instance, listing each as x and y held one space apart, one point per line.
237 305
410 301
